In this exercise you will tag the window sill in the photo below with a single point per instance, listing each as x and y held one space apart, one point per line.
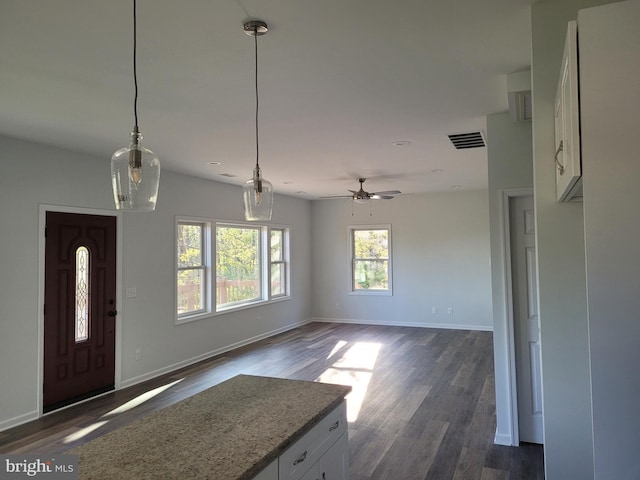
245 306
366 293
235 308
193 318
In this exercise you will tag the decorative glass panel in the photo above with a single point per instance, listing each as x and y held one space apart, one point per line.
82 295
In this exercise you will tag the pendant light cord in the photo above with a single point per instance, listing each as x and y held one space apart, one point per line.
255 38
135 74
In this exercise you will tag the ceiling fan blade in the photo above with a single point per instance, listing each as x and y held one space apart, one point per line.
388 192
377 196
338 196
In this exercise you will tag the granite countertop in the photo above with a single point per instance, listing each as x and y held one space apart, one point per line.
229 432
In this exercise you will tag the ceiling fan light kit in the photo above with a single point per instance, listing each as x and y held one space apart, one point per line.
257 192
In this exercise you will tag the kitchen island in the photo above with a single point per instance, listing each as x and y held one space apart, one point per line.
232 431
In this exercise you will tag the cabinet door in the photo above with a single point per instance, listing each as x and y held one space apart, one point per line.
334 465
313 473
269 473
567 118
308 450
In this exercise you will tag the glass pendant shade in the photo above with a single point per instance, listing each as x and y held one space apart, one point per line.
135 176
258 197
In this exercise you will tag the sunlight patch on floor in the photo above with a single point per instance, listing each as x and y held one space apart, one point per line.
140 399
355 368
335 350
84 432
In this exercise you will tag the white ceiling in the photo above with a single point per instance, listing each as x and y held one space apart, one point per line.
340 81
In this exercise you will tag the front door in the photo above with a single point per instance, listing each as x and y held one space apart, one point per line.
525 316
80 300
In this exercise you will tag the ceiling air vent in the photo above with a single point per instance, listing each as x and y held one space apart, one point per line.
467 140
230 175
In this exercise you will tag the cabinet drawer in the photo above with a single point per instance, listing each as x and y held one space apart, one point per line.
303 454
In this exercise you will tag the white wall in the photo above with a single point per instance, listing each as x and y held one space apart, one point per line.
440 258
609 71
561 265
36 174
510 173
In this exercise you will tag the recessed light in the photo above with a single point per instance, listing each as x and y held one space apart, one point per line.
401 143
456 186
301 191
437 170
287 183
214 163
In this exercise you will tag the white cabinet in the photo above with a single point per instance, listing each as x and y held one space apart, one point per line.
322 453
333 465
567 122
269 473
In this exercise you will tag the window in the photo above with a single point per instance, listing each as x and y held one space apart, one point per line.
278 262
251 267
371 260
238 265
192 268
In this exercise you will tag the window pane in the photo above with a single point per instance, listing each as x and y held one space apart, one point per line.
276 245
82 294
371 243
190 245
277 279
237 265
190 290
371 275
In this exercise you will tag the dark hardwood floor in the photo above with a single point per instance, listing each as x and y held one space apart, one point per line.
422 405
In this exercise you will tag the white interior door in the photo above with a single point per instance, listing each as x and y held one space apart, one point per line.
525 317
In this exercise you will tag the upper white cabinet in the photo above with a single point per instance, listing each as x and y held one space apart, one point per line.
567 122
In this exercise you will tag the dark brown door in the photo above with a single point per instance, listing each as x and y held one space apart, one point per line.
80 301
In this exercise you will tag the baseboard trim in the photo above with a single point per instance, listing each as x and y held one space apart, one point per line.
205 356
19 420
450 326
503 439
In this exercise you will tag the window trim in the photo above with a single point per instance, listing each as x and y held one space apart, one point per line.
261 273
375 292
285 261
206 309
210 255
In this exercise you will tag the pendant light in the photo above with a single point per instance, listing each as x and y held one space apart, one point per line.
257 192
135 170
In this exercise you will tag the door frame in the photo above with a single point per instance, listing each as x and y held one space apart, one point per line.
507 300
42 219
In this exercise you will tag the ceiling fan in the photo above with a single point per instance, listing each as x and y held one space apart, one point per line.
361 196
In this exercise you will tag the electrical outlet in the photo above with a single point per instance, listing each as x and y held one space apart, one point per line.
138 354
450 310
434 310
